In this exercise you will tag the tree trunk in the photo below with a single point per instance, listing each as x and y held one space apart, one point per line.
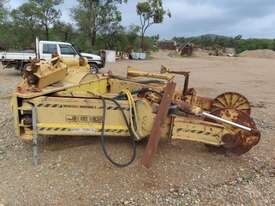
142 42
93 21
66 36
47 32
94 37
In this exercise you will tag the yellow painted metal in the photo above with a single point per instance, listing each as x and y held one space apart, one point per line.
75 64
116 85
72 63
145 118
91 88
15 110
75 77
133 73
80 84
59 115
79 111
53 71
51 77
199 131
81 129
46 72
72 108
81 116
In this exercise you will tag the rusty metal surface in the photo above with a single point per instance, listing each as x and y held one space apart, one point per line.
233 129
204 103
186 84
232 100
154 139
185 107
242 141
186 74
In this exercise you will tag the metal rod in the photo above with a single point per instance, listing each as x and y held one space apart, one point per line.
34 137
226 121
186 84
154 138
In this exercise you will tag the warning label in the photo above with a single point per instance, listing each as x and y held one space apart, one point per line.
84 119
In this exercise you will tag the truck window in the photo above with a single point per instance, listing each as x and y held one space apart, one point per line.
67 49
49 48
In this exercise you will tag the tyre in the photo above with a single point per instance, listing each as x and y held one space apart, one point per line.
94 68
23 69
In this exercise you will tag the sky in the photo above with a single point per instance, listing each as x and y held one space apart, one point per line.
250 18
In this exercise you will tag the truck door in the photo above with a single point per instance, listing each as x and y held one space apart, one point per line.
47 50
67 51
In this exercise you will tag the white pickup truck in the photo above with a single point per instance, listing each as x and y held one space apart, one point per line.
45 51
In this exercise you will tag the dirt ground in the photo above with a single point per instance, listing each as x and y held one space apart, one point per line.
75 171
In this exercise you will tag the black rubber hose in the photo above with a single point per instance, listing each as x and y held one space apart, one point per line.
103 145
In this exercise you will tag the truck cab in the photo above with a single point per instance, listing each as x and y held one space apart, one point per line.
66 50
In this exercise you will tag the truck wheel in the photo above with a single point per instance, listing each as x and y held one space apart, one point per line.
94 68
23 69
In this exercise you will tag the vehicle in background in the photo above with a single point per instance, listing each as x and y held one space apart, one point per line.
44 51
16 60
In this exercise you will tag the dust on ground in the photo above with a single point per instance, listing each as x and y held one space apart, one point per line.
75 171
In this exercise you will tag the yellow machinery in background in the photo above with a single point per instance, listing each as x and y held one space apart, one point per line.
62 98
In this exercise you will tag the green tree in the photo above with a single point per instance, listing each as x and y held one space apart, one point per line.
62 31
25 21
112 35
150 12
109 19
47 14
93 16
133 38
3 11
5 26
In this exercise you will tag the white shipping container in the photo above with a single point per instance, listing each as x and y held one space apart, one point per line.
138 55
110 56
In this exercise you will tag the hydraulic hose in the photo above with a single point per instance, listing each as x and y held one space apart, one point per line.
130 125
133 113
103 145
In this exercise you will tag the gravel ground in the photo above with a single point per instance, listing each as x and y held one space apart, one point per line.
75 171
